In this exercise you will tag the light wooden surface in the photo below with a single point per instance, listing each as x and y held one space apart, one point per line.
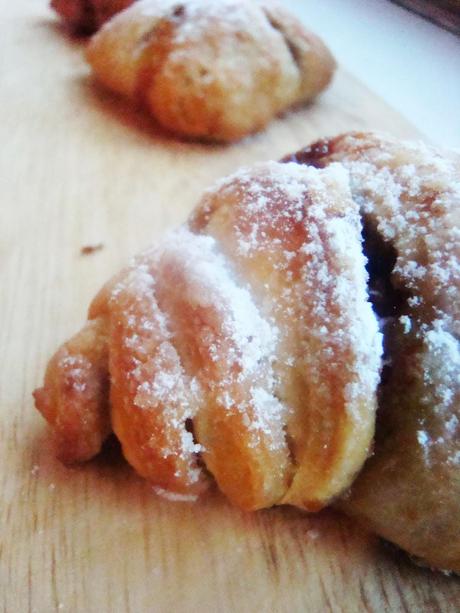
78 168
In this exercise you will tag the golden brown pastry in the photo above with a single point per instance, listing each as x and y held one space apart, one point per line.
409 195
74 399
207 69
87 16
244 346
245 343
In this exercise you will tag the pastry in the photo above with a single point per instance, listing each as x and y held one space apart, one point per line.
74 399
207 69
244 344
409 195
87 16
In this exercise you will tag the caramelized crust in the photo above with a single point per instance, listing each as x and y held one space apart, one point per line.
210 70
409 194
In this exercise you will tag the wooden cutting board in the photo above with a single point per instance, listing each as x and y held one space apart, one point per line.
79 168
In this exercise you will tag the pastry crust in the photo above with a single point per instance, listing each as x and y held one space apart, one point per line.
295 239
210 70
244 345
74 399
87 16
409 194
246 342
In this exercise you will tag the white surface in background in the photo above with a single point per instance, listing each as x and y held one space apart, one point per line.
411 63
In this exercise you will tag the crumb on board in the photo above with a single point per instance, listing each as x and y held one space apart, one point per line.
90 249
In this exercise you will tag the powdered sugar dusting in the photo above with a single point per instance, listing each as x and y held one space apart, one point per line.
238 343
357 319
335 281
414 194
439 366
76 369
221 53
275 202
192 21
173 496
444 350
411 193
155 378
294 235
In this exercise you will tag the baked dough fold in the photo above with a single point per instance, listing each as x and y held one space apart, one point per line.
245 343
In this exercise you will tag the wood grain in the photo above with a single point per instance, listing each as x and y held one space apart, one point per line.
78 168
